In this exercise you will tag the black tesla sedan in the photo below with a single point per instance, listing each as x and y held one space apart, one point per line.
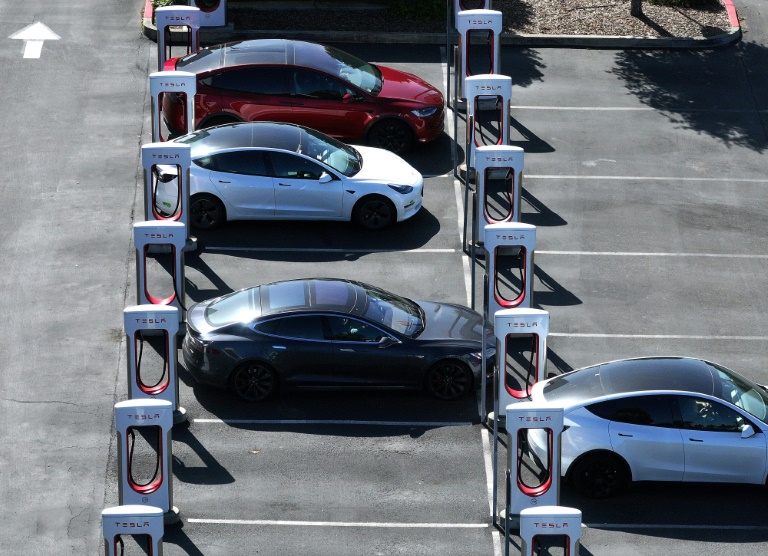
334 334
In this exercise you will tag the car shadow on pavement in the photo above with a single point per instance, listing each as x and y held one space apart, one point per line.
363 413
315 241
691 511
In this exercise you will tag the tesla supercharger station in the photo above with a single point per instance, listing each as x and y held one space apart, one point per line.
153 420
539 526
477 27
213 13
137 521
498 182
509 244
141 321
170 235
498 171
166 17
533 458
166 174
514 381
180 83
486 93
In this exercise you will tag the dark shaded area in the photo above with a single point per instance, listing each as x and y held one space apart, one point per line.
691 89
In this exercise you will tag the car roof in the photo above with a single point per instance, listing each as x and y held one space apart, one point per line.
259 51
683 374
316 294
270 135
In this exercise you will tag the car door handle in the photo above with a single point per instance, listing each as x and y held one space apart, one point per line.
626 435
224 181
284 184
695 440
279 347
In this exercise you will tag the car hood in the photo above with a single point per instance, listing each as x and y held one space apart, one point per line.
446 321
399 85
383 166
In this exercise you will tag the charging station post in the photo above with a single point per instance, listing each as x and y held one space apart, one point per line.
510 248
133 520
180 83
477 28
172 235
154 320
533 459
186 17
153 420
166 181
545 525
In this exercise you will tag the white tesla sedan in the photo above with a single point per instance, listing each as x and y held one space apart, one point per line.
281 171
657 419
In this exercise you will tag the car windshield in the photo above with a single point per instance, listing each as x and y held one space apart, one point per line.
337 155
240 306
740 391
396 313
331 60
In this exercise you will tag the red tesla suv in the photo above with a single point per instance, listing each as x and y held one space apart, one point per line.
310 84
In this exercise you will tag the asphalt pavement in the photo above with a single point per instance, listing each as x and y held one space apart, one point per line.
689 140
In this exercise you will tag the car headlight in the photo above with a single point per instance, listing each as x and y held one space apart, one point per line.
402 189
424 112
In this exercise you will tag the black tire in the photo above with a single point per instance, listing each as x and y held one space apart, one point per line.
393 135
448 380
254 382
600 475
218 120
374 212
206 212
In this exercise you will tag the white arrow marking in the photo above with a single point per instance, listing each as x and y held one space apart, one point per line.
34 36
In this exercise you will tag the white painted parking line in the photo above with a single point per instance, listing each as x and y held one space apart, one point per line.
641 109
321 250
279 522
658 254
335 422
646 526
643 178
662 337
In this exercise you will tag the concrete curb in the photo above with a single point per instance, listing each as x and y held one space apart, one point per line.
214 35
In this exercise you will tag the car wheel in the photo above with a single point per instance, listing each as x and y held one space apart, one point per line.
206 212
218 120
374 213
448 380
599 475
254 382
393 135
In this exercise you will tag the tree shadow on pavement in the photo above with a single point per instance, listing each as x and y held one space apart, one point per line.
714 92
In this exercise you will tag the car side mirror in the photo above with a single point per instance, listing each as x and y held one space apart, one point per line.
387 341
349 98
747 431
325 177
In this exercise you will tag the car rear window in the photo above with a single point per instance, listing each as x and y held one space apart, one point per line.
240 306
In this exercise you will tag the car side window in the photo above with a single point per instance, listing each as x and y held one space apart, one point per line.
287 165
302 327
346 329
707 415
311 84
248 162
258 80
653 411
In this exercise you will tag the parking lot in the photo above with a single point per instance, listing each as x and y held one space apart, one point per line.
644 177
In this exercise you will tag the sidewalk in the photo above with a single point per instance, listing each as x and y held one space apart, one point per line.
215 35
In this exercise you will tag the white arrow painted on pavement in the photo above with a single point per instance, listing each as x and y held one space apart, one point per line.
33 36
